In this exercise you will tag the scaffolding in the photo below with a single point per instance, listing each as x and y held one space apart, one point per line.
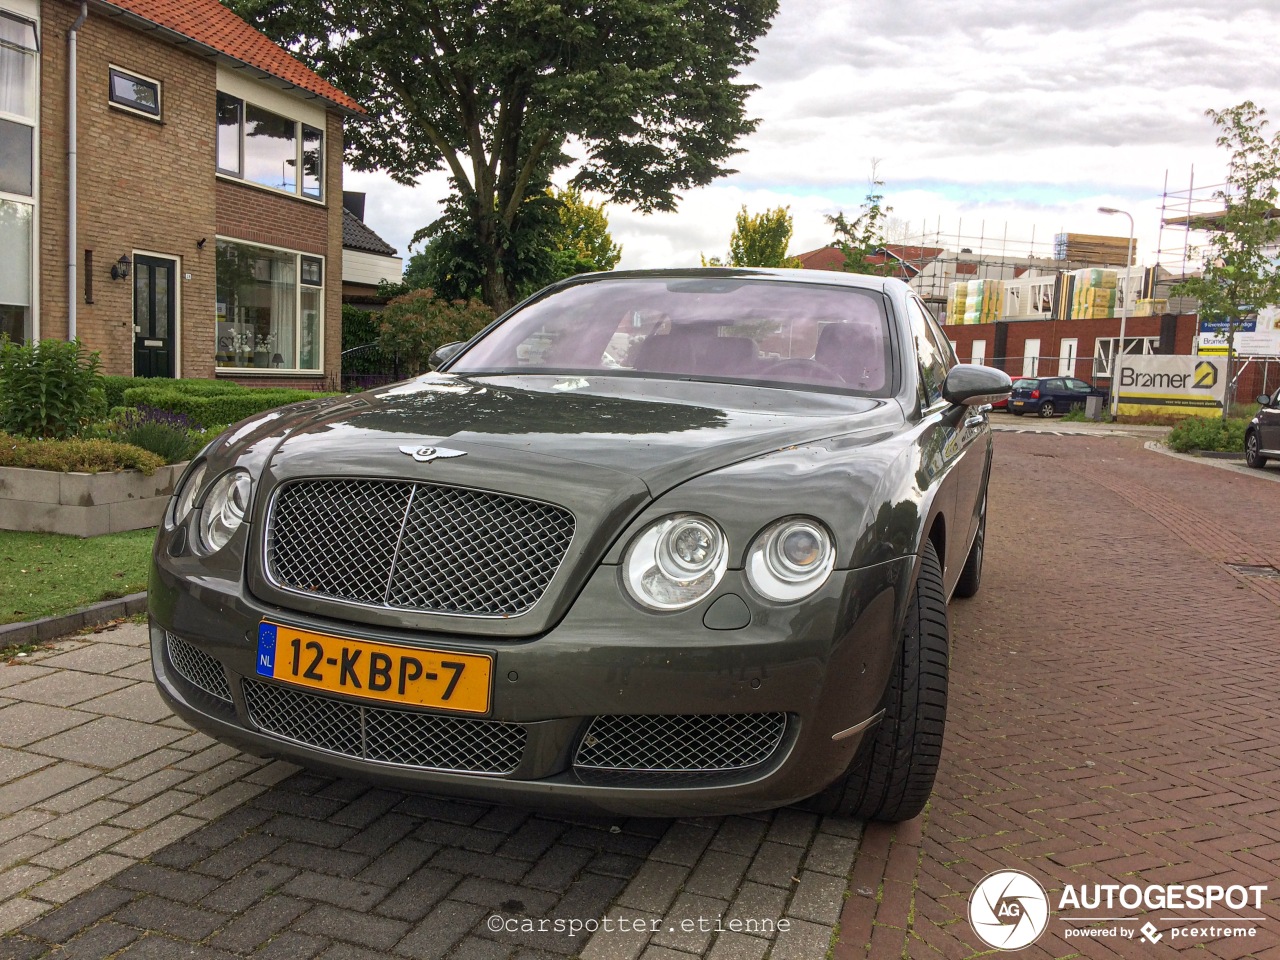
1186 216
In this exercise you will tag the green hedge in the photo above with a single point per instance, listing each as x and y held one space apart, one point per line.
217 406
79 456
1208 433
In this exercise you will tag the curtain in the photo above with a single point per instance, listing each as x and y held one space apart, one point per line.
284 292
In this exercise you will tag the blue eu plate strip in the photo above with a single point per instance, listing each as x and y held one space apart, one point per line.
267 649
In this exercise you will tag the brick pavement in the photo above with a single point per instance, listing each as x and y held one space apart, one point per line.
1112 719
1113 715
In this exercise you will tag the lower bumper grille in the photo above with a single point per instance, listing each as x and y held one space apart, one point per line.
197 668
681 744
421 740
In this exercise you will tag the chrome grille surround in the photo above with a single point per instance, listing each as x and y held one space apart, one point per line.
197 667
409 545
697 743
406 738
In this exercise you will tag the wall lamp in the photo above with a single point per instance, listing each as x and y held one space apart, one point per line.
120 269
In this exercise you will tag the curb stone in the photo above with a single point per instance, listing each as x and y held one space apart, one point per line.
51 628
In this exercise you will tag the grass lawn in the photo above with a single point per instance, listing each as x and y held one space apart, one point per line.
42 574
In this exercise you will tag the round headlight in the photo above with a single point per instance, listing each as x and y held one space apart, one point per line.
224 509
184 498
675 562
790 559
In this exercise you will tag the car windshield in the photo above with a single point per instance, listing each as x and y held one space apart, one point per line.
1025 384
772 333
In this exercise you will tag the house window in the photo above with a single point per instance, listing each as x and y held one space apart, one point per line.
270 308
978 351
268 149
19 46
133 92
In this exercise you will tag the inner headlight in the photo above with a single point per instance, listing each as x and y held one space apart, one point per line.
790 559
184 498
224 508
675 562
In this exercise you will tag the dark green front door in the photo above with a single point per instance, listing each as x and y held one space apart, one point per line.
154 280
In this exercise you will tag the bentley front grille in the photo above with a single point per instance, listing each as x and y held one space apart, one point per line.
681 744
415 546
421 740
197 667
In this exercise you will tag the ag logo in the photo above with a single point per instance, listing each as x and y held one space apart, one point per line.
1206 376
1008 910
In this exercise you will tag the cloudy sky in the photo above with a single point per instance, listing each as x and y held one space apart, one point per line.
1008 120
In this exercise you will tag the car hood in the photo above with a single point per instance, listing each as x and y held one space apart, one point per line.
604 448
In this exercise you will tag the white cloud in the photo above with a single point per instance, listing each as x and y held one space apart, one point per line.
1011 119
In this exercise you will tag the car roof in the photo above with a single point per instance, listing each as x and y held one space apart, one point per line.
826 277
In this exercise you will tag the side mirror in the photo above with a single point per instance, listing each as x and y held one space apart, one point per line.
971 384
1264 400
444 353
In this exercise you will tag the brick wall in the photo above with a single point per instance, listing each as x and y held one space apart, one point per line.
143 185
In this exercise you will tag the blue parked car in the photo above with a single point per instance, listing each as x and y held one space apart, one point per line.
1049 395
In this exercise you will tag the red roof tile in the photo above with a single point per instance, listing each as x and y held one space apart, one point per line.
210 24
824 258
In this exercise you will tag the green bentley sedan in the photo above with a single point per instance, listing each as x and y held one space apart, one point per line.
654 543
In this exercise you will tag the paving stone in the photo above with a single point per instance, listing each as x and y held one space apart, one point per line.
493 868
63 688
476 948
448 923
718 874
690 923
15 673
226 772
532 839
20 948
310 831
146 766
621 942
22 823
758 903
791 826
180 885
17 879
140 702
831 854
776 864
664 953
367 930
818 898
505 898
154 946
148 841
259 923
349 894
383 834
239 853
98 942
225 800
106 742
97 658
240 893
24 723
154 810
367 808
739 835
229 827
79 847
27 847
589 897
654 887
557 867
295 946
416 897
59 925
19 910
396 864
683 843
74 799
308 856
167 916
273 773
737 946
802 941
71 824
15 763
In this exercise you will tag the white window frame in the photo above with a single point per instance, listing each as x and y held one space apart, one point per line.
1031 357
29 10
297 315
249 92
115 104
978 351
1068 353
1104 349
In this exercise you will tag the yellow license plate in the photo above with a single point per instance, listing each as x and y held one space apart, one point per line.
379 671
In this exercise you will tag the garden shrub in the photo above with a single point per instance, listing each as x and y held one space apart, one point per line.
171 436
227 406
49 388
415 324
75 455
1208 433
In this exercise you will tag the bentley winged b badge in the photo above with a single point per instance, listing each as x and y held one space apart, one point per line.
427 454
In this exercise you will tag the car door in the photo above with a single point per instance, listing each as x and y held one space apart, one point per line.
1055 391
1269 426
1079 390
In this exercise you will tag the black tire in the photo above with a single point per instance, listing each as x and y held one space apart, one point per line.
892 773
1046 409
1018 413
971 575
1253 451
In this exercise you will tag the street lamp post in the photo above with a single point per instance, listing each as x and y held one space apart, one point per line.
1124 314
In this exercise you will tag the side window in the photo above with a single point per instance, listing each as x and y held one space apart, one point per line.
935 358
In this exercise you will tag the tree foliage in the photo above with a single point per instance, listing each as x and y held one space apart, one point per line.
492 90
1240 274
759 240
580 239
862 237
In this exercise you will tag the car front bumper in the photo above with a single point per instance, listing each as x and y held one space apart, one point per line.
820 665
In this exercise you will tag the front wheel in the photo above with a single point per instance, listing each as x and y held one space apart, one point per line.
1253 451
893 771
971 575
1046 409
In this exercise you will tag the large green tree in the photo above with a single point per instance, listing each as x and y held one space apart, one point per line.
581 240
863 236
759 240
645 93
1239 273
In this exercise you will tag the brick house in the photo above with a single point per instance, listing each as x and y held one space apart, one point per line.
206 167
